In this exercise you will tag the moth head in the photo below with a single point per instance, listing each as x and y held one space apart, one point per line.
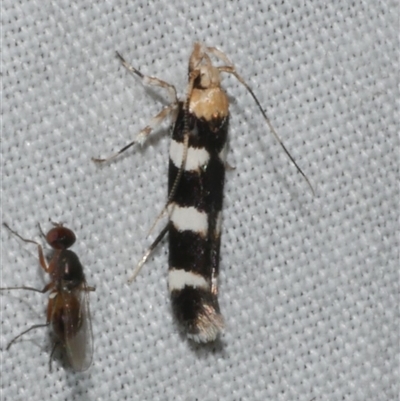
209 77
205 75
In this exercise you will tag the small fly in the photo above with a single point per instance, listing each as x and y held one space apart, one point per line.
68 306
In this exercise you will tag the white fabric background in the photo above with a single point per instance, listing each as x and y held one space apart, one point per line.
309 285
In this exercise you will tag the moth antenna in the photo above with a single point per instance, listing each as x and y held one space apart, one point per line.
192 76
181 167
175 184
231 70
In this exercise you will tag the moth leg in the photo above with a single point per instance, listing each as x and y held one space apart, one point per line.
155 121
148 252
151 81
143 134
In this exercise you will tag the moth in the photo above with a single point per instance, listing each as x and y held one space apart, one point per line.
196 178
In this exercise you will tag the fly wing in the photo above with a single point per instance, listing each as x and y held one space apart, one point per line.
78 331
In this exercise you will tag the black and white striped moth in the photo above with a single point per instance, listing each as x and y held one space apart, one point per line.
195 189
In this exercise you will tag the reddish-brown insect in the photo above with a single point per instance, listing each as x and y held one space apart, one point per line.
68 306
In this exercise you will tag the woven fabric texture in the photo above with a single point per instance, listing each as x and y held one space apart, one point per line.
309 285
